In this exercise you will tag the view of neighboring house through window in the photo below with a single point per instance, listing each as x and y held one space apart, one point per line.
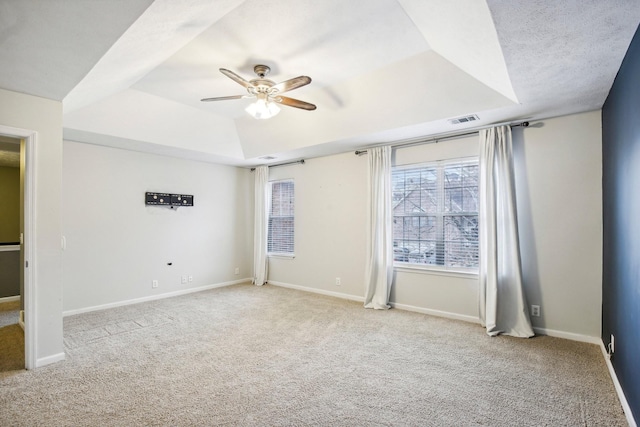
435 214
281 207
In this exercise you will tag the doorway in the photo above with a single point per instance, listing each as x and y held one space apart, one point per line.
11 281
24 142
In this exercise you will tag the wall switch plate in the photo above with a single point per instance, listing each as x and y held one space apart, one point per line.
183 279
535 310
154 284
190 279
338 281
237 270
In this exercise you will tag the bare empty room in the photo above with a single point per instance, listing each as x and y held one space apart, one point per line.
394 212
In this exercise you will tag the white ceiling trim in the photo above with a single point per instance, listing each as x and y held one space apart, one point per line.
75 135
381 69
329 41
135 115
48 46
430 89
463 32
163 29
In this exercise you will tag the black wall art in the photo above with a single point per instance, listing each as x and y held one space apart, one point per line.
168 199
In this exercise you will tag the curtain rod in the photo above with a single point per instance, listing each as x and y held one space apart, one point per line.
301 161
443 137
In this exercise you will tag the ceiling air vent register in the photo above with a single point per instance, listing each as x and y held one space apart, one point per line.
464 119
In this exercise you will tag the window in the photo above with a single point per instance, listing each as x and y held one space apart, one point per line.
435 214
281 204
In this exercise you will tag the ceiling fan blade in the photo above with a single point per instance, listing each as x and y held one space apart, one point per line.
236 78
224 98
291 84
294 103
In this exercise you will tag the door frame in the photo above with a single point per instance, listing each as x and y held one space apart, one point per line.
29 241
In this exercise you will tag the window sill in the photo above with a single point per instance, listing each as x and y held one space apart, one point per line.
427 269
282 256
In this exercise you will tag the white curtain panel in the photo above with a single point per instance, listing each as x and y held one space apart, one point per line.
380 264
503 306
261 200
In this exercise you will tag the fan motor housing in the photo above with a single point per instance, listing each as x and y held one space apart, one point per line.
262 85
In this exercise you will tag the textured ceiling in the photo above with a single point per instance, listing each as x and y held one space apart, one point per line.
131 73
48 46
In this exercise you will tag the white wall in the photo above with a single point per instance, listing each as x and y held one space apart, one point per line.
44 117
116 245
559 202
330 228
559 190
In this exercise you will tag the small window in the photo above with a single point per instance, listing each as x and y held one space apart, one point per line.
435 214
281 218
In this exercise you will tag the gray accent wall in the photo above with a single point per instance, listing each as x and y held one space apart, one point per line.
621 214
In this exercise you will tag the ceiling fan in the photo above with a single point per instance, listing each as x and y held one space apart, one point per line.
266 92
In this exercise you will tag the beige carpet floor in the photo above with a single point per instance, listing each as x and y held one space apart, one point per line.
268 356
11 338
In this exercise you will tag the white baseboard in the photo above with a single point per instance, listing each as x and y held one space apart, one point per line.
361 299
152 297
437 313
10 299
614 377
317 291
567 335
43 361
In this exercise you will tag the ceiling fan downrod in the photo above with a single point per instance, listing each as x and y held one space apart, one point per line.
261 70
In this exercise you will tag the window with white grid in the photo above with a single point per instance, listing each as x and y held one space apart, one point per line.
435 214
281 218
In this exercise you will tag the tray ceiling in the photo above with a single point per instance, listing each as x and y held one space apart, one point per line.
131 74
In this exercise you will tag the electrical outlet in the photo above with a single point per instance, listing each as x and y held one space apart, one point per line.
237 270
183 279
154 284
337 281
190 278
535 310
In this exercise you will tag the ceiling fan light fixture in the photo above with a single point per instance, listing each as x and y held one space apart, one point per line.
262 108
267 93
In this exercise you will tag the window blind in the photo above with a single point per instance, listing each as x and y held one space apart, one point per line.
435 214
281 218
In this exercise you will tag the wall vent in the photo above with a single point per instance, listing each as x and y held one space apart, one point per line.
464 119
